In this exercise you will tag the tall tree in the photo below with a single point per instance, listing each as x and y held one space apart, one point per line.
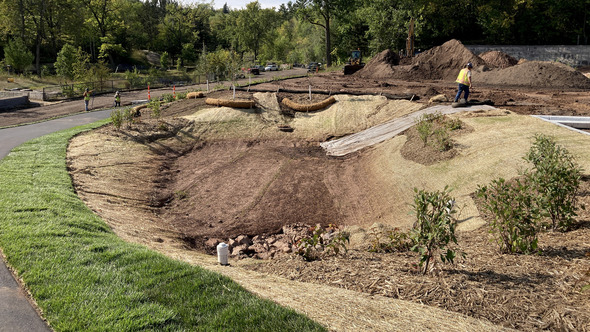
321 13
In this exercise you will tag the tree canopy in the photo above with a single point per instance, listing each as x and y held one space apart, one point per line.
299 31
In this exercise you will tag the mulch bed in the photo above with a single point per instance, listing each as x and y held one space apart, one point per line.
526 292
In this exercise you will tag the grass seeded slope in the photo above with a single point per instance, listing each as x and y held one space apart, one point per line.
84 278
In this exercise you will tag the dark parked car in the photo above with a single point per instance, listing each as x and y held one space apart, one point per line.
254 71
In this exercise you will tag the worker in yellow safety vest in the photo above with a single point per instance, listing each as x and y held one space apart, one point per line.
87 94
117 99
464 80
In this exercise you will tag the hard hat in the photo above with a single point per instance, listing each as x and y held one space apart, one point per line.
469 64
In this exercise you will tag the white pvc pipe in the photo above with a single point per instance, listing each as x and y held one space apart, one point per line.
222 253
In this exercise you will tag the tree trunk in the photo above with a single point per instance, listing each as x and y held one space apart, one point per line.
328 43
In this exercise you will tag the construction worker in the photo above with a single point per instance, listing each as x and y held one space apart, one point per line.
464 80
87 94
117 99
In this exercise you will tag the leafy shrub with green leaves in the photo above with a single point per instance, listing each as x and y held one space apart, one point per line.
434 125
435 226
390 241
556 177
17 55
514 214
167 97
121 116
454 124
117 118
154 105
321 242
442 139
424 128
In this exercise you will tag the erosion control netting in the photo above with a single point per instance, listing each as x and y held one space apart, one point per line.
444 62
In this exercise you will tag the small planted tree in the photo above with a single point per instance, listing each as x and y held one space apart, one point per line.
556 177
435 226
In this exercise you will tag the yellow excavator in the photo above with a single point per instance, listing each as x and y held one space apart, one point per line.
355 63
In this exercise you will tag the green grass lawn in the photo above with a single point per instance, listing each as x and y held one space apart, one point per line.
85 278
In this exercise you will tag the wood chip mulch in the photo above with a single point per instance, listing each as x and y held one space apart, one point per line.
526 292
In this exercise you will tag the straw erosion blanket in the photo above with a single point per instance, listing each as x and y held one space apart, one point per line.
172 184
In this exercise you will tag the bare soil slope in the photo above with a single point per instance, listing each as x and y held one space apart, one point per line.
182 185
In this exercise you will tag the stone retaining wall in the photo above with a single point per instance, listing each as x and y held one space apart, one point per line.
573 55
14 102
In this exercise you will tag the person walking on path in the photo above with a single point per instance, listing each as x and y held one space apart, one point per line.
87 94
117 99
464 80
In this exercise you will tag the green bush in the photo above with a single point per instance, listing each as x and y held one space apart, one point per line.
442 140
167 97
424 128
395 241
435 226
435 125
117 118
17 55
154 105
556 177
322 242
514 214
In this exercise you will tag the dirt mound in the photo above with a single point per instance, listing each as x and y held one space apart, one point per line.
439 63
381 66
444 62
498 59
541 74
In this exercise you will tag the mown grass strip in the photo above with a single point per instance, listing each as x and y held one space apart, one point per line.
85 278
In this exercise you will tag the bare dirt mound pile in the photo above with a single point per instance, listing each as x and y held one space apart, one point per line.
439 63
443 62
381 66
498 59
541 74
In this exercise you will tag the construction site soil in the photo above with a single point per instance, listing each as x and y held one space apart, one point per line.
200 175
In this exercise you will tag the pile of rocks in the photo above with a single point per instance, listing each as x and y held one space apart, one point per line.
265 246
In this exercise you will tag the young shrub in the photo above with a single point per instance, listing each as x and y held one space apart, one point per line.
117 118
154 105
322 242
128 116
442 140
167 97
395 241
454 124
514 213
435 226
556 177
424 128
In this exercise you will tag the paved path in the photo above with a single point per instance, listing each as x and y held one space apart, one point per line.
387 130
16 313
